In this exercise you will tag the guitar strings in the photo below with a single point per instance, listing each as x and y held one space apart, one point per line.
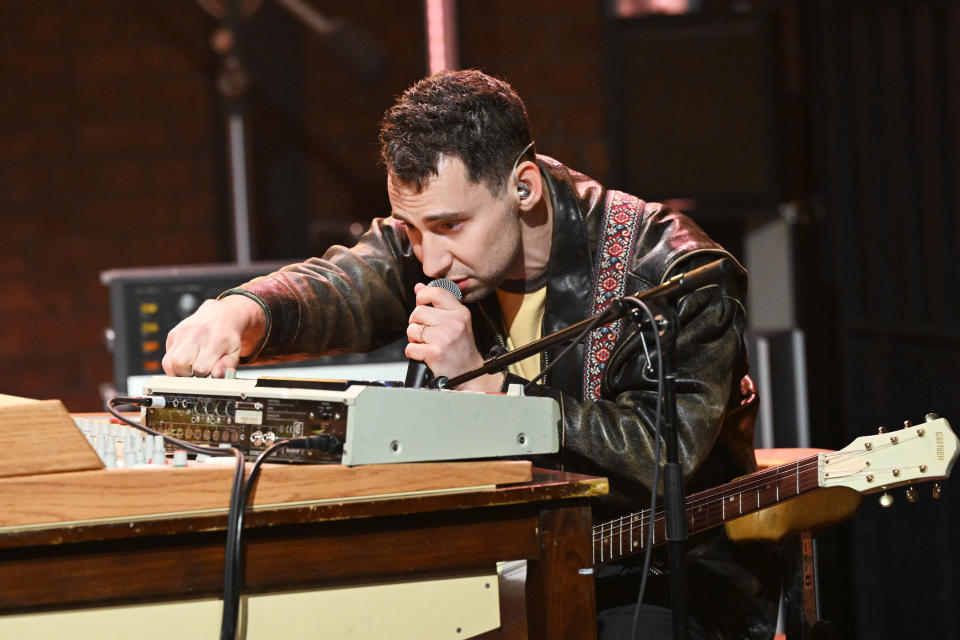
705 499
711 497
753 482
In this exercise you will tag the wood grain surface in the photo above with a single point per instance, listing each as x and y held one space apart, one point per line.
118 494
39 436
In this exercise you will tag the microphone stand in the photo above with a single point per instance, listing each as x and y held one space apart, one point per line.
359 51
664 299
674 491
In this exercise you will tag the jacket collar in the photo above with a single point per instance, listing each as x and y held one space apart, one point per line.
570 270
577 204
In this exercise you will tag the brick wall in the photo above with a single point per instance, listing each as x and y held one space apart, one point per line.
552 54
107 161
342 113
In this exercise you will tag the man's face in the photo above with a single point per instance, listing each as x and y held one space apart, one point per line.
459 230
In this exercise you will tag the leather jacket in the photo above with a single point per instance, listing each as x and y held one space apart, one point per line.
360 298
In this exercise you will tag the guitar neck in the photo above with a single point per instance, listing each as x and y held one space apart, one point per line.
627 535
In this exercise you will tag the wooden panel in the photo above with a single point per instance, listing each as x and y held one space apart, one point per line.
92 496
560 598
546 485
277 558
39 436
363 550
302 546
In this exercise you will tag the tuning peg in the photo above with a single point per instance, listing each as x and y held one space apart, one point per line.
930 417
907 424
882 430
912 495
936 491
886 500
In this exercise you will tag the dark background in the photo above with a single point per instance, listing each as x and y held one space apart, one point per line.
112 155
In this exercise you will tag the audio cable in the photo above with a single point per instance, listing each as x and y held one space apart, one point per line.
228 621
241 490
233 562
647 557
656 462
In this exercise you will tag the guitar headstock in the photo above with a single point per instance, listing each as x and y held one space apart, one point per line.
921 453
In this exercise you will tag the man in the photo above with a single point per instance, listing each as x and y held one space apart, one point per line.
531 245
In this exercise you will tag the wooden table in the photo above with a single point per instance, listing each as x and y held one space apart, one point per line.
294 546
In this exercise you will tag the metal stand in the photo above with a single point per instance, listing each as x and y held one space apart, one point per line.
664 298
353 46
233 85
674 493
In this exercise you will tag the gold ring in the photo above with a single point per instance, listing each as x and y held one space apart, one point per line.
423 328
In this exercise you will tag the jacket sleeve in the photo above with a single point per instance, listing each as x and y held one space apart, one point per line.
614 436
352 299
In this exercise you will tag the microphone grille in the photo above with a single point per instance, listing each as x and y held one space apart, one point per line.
449 285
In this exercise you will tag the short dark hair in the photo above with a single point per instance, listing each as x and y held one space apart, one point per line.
467 114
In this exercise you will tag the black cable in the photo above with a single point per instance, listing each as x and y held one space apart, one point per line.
230 612
233 563
656 465
146 401
228 621
656 438
239 496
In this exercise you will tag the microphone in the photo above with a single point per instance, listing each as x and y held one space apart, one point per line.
710 273
417 371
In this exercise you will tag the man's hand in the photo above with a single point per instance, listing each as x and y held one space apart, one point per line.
441 334
214 337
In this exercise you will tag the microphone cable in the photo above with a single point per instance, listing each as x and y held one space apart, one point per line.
647 556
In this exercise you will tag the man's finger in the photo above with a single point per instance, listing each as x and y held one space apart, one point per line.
429 316
438 297
227 361
178 361
421 352
415 332
210 354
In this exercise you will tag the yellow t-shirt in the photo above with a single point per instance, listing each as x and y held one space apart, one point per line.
523 319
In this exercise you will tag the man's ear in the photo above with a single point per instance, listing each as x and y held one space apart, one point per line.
529 185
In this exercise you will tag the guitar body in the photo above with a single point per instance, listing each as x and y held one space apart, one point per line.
814 511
